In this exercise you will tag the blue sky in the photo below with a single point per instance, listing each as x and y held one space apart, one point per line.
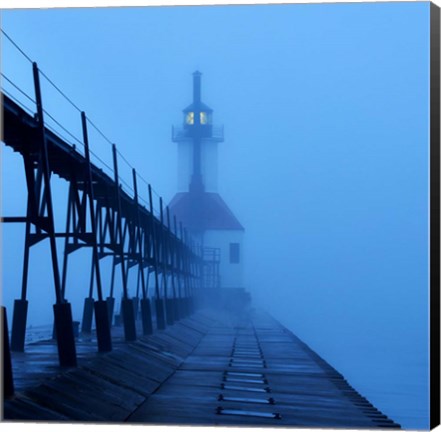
325 160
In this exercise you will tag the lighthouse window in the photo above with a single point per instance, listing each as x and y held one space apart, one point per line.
190 118
203 117
234 253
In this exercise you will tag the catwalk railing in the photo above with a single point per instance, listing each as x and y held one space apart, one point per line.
101 216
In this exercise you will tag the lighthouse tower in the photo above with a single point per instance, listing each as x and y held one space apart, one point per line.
197 203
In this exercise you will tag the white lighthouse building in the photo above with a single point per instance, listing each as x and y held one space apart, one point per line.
197 203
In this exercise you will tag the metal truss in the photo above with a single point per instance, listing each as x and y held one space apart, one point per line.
103 217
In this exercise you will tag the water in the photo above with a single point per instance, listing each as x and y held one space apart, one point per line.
38 333
391 372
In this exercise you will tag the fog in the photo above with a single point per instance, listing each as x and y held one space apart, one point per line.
325 161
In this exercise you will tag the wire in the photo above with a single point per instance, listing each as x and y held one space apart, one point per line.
148 184
59 134
124 182
16 87
99 131
139 175
142 179
62 127
156 193
42 73
76 107
18 101
31 111
124 159
16 46
98 158
140 198
59 91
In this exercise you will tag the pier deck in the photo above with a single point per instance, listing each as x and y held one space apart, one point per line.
202 370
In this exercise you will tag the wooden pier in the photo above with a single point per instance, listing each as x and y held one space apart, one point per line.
208 369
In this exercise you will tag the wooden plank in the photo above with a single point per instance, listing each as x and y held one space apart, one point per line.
305 389
177 376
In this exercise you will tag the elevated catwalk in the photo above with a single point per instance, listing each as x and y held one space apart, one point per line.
209 369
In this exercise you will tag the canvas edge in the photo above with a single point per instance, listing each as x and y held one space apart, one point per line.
434 215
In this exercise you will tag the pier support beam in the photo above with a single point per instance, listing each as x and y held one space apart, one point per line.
182 310
128 319
86 324
169 311
102 326
160 318
19 320
135 301
110 308
65 335
8 380
146 314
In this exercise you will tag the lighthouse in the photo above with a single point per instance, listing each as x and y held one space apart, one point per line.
198 204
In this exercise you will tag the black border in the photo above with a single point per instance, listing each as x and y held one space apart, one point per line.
434 216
